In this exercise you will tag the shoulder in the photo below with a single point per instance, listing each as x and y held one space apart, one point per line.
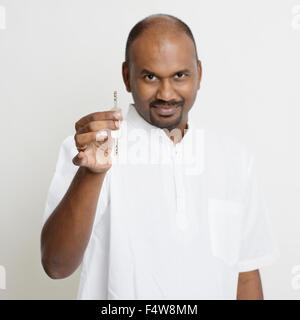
68 142
68 145
224 142
230 150
232 144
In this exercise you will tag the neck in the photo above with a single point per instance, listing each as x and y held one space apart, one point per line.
182 127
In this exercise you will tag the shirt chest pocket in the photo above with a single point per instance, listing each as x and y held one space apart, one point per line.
225 219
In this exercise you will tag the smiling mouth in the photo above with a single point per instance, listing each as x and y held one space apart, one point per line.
165 110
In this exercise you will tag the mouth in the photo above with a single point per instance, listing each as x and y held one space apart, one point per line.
165 110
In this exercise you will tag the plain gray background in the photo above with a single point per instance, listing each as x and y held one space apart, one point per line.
60 60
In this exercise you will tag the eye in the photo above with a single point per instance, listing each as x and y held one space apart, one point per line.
149 76
180 75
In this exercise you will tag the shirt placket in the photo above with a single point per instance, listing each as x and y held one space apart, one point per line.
181 218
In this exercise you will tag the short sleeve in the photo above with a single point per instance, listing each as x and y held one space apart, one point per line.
258 247
64 173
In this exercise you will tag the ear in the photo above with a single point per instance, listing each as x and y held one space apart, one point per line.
126 76
199 69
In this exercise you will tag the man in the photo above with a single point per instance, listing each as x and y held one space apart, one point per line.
144 224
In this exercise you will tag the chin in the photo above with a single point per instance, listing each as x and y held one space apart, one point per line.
166 122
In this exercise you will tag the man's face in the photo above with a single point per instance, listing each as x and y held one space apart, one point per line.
164 77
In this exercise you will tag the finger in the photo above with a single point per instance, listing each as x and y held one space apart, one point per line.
103 154
98 116
86 138
80 159
99 125
106 145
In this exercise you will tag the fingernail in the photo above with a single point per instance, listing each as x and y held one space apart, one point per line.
117 124
118 115
101 135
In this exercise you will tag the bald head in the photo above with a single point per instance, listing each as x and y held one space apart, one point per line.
159 25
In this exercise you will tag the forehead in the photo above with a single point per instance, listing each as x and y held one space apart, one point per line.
161 51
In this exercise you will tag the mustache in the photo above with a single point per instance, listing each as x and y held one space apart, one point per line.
161 103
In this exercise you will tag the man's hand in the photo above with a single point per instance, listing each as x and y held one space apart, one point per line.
97 155
249 286
66 233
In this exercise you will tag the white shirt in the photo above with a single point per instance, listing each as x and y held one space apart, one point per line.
178 228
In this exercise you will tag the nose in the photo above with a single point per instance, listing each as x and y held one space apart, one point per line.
166 91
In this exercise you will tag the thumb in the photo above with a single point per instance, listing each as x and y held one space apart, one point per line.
79 159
